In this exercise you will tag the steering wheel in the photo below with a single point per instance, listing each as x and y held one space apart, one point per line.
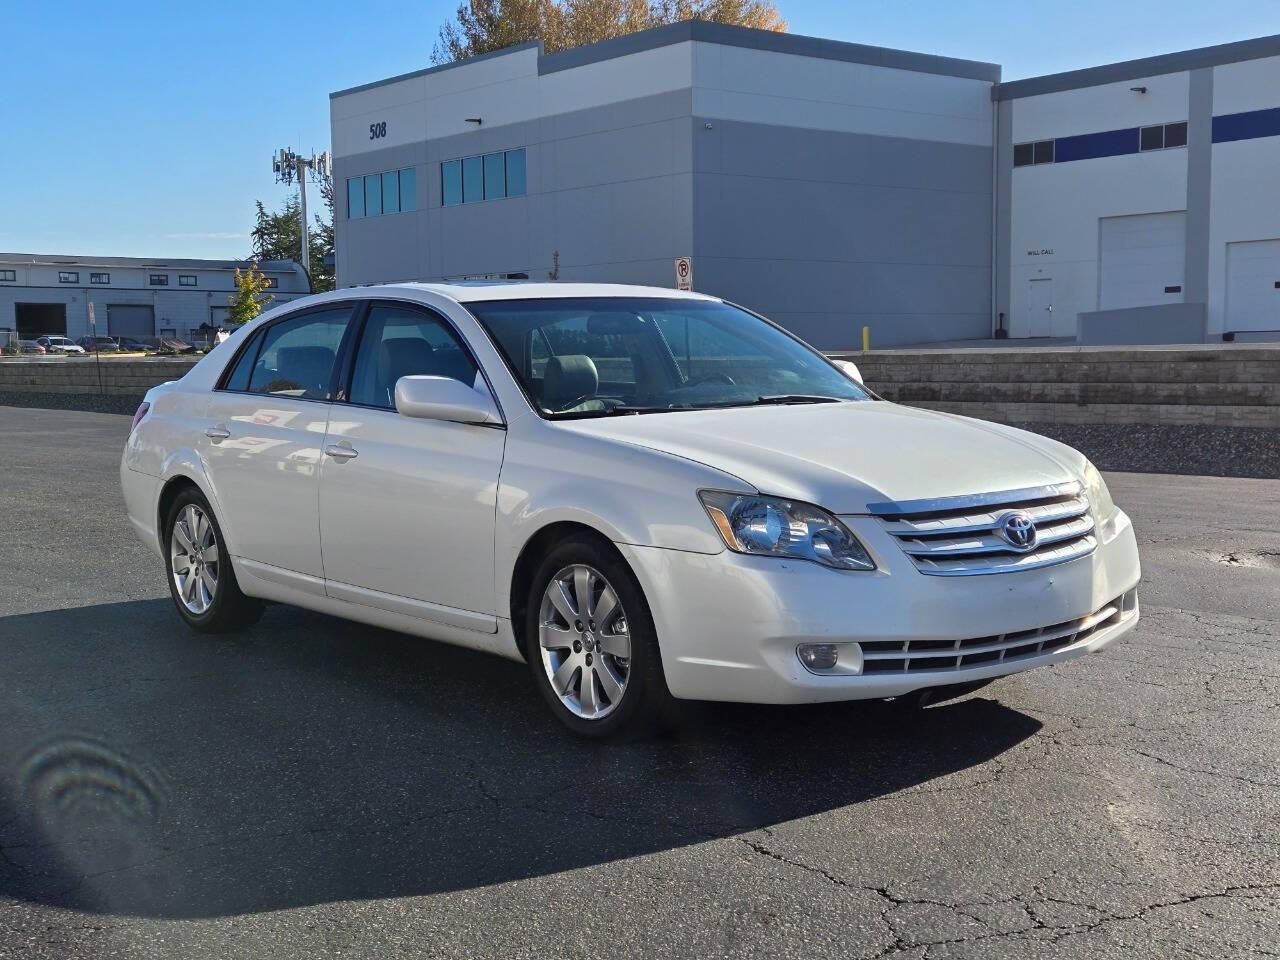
713 378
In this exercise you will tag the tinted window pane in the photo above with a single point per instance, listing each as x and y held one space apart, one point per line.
297 355
472 179
239 379
408 189
1022 154
391 192
372 195
355 198
1175 134
451 182
402 342
495 179
1044 151
515 173
1152 138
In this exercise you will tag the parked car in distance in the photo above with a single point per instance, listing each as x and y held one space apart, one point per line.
646 495
133 345
99 344
30 346
54 343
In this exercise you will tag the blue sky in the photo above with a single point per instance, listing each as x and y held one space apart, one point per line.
147 129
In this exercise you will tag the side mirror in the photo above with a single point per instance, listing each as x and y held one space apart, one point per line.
443 398
850 370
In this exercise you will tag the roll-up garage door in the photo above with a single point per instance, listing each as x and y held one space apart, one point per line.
1253 286
131 320
1142 259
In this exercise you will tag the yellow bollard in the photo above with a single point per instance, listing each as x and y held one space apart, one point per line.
866 339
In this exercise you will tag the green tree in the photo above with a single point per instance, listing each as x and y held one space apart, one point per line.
277 234
250 296
482 26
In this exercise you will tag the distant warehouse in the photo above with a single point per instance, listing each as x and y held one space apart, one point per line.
135 297
834 185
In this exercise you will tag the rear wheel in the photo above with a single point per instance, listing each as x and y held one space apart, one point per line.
591 644
201 581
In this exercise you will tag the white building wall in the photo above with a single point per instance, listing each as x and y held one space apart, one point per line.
1057 207
1245 175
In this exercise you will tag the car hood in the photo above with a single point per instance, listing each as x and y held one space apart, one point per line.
844 456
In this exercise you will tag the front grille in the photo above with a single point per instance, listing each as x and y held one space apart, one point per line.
915 656
961 536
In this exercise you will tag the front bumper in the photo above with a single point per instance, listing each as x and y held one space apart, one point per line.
729 624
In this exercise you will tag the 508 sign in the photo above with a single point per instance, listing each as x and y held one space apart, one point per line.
377 130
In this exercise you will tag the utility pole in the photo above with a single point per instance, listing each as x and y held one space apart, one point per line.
287 166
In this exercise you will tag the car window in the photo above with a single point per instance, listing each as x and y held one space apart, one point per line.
588 356
297 355
239 378
400 342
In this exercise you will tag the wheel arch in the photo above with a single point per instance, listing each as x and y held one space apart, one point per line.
531 553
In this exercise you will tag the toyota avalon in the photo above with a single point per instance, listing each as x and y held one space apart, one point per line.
647 496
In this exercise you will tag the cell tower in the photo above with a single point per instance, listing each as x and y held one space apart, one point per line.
287 166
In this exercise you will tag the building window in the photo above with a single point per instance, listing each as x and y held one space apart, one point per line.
159 280
1163 136
408 190
68 276
391 192
1026 154
490 176
451 182
99 278
187 280
355 198
373 195
273 282
10 276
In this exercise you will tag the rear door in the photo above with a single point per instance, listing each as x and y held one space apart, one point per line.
262 439
407 505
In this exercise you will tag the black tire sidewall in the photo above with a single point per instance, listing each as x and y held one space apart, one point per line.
644 702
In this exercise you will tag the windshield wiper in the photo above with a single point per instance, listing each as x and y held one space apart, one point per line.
781 398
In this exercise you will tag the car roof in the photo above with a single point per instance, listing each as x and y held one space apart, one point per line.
469 291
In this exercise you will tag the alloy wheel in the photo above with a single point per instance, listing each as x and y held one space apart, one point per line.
194 559
585 645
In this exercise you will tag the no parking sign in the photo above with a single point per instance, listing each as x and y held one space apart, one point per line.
684 273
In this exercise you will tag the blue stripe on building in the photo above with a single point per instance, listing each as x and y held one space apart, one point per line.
1087 146
1246 126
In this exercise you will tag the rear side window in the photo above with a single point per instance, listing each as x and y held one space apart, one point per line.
400 342
297 355
239 378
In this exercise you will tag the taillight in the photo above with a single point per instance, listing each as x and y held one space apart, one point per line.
137 417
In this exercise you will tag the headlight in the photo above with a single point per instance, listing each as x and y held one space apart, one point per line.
767 526
1099 495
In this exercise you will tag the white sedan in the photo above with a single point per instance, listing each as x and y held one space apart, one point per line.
646 495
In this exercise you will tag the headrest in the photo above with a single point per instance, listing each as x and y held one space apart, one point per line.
308 366
402 357
569 377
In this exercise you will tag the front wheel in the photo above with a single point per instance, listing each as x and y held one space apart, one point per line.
591 644
201 581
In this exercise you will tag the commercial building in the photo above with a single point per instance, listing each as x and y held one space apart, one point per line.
1140 201
832 185
137 297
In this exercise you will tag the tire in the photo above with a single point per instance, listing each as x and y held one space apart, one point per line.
572 645
213 601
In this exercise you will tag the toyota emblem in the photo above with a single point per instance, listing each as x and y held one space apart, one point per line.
1018 530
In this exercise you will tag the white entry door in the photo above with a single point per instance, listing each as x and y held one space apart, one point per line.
1040 307
1253 286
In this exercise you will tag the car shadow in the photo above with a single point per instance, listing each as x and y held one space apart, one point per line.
150 771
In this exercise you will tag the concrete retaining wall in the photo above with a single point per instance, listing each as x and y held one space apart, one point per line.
1229 385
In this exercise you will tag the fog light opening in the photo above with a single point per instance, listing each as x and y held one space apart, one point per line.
819 656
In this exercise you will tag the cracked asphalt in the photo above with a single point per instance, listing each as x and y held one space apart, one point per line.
313 787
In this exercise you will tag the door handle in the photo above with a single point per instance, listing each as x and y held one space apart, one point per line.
340 452
217 434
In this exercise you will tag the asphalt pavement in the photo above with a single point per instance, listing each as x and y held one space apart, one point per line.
314 788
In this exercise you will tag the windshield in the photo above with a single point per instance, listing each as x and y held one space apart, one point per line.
586 356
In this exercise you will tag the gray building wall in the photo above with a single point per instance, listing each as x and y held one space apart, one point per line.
609 189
